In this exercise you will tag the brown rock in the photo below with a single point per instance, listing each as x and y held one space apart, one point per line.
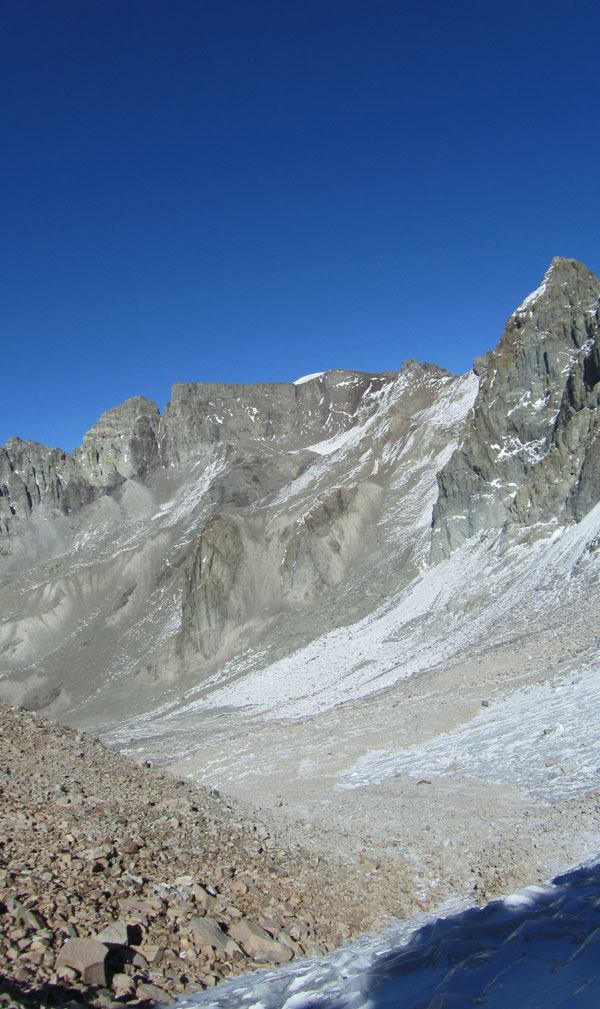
30 919
208 934
152 953
259 944
205 899
87 957
123 985
152 991
114 934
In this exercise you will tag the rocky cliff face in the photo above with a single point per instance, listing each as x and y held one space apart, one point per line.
122 444
32 475
208 604
201 416
528 451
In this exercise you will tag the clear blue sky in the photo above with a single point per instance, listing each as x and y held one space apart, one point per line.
246 190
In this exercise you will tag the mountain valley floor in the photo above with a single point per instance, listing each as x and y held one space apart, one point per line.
316 844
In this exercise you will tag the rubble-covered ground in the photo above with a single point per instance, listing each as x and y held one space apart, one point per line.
120 885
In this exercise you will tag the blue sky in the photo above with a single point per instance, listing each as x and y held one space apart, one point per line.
251 191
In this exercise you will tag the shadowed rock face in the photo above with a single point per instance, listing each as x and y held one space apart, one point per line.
259 517
208 604
528 452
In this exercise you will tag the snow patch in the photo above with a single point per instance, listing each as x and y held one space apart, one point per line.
308 378
531 299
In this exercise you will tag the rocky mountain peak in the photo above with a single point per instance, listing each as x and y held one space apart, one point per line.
529 386
121 444
579 282
201 415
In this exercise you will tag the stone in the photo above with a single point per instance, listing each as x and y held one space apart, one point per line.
30 919
258 944
569 767
152 952
87 957
153 992
209 603
114 934
208 933
370 861
128 846
202 896
186 880
123 985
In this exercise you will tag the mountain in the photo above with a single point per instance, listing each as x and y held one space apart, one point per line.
264 516
165 545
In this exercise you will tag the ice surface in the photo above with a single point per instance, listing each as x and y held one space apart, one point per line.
544 738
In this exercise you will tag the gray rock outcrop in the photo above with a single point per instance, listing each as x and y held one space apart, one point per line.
121 444
202 415
527 452
325 540
32 475
209 605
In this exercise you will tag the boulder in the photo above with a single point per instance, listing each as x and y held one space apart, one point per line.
258 944
154 993
120 933
208 933
87 957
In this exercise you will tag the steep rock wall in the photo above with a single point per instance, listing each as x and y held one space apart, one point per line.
32 475
121 444
202 415
533 418
208 605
